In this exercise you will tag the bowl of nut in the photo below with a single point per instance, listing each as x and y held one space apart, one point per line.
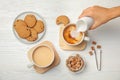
75 63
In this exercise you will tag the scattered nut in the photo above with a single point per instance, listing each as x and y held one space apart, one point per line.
94 45
90 53
94 42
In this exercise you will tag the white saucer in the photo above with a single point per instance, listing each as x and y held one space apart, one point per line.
38 17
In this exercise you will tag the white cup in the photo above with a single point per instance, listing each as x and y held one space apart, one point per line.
32 60
84 23
84 37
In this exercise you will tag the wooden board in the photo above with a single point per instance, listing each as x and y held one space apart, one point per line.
55 63
64 46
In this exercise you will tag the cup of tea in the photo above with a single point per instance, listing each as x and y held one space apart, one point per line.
42 56
73 41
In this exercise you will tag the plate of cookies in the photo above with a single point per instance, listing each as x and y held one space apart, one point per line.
29 27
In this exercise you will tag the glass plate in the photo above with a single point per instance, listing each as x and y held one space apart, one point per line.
38 17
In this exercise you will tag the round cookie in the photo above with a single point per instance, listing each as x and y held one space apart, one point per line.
21 28
39 26
33 36
30 20
62 20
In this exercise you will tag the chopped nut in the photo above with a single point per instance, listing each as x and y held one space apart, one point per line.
94 42
98 46
77 55
92 48
91 53
69 65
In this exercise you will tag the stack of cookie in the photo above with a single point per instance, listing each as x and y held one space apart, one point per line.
29 28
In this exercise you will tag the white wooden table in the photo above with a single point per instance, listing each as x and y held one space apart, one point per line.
13 54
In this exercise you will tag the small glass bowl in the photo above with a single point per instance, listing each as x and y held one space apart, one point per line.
82 67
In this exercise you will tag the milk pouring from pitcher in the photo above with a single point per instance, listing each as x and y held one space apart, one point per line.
82 25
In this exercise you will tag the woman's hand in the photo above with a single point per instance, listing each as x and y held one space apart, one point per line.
100 15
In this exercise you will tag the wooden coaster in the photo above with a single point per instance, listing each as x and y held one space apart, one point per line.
64 46
55 63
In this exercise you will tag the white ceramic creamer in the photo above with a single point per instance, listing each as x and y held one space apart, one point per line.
82 25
